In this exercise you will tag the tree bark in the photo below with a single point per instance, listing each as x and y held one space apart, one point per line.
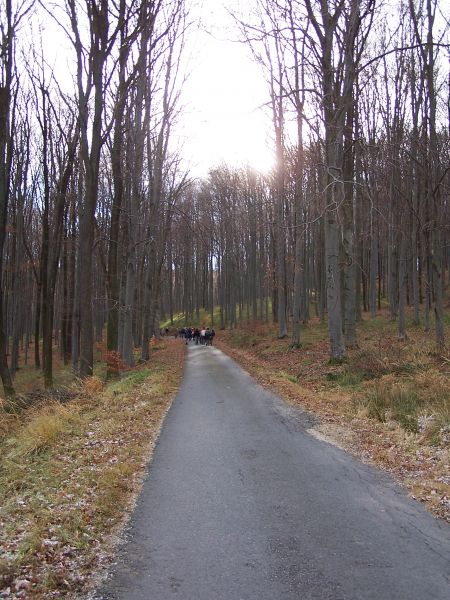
6 144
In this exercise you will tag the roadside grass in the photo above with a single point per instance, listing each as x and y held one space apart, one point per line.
43 427
288 377
397 403
389 401
130 381
345 379
69 472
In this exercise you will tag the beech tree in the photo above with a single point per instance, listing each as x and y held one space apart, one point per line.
337 26
10 21
434 173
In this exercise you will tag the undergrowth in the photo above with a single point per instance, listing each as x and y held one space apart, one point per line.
402 405
68 471
402 382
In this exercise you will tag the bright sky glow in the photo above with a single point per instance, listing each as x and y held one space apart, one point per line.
223 120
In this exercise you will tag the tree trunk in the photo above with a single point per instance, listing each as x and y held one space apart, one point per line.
6 141
348 228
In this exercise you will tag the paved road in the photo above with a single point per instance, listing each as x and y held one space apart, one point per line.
241 503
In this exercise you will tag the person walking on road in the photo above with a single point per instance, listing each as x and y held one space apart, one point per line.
196 335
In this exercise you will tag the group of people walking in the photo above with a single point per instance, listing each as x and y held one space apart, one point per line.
203 336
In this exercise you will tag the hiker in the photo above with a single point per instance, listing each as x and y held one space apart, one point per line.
196 335
202 336
213 333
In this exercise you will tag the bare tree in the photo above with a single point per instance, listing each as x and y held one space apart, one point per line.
434 174
338 26
10 22
94 57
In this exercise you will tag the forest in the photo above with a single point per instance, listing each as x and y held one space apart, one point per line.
104 233
326 277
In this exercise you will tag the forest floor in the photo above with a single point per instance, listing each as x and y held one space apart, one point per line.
71 467
388 403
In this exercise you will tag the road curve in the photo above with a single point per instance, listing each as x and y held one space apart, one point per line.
241 503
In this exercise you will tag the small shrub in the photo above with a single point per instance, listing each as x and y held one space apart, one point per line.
337 361
430 429
43 431
434 389
442 414
435 428
58 579
344 378
31 543
404 368
8 422
113 486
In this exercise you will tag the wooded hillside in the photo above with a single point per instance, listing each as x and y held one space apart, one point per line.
104 233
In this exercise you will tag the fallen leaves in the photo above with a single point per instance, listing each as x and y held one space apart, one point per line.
64 506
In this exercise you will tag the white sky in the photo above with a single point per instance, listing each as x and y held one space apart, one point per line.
222 120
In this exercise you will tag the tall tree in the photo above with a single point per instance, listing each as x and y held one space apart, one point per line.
434 174
9 24
94 57
337 25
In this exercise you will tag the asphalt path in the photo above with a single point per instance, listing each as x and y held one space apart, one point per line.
242 503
